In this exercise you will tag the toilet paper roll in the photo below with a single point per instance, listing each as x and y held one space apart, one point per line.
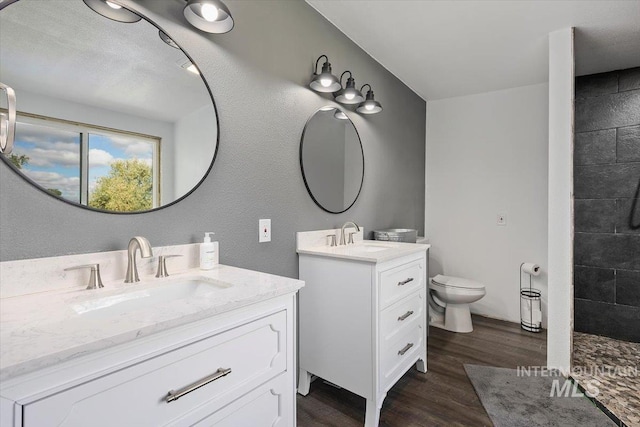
531 268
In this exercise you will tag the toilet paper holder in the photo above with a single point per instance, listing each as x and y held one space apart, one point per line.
530 300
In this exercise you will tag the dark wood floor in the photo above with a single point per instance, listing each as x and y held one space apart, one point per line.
444 395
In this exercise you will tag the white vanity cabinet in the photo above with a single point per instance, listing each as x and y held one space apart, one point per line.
242 361
363 324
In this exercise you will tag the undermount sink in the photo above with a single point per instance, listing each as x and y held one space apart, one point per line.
370 248
171 289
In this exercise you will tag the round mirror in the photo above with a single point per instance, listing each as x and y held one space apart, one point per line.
112 115
332 160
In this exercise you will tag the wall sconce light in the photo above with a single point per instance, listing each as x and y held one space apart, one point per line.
370 105
112 10
325 81
211 16
350 94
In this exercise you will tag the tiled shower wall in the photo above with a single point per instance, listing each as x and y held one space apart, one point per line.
607 209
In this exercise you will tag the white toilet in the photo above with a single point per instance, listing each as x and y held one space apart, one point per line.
449 299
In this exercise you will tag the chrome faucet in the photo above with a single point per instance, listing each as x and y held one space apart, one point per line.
137 242
342 239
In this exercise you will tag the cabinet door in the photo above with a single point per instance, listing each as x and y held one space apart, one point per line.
267 406
137 395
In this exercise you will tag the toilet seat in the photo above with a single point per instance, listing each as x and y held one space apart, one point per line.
456 282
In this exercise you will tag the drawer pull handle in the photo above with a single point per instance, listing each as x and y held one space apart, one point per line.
175 395
405 349
404 316
404 282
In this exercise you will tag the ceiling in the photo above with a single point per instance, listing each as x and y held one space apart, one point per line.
443 49
64 50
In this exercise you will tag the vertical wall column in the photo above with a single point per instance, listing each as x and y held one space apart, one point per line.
560 249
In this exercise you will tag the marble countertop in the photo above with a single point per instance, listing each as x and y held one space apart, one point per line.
46 328
373 251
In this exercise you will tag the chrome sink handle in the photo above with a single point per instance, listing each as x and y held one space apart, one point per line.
95 281
332 239
351 241
162 265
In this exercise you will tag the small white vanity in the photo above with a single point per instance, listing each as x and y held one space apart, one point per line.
194 348
362 313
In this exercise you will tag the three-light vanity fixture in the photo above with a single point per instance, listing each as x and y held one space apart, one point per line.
211 16
326 82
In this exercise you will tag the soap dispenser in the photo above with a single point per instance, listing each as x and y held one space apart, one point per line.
209 256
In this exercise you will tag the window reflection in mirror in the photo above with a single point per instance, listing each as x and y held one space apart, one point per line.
108 117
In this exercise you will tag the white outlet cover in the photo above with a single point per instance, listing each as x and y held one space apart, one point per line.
264 230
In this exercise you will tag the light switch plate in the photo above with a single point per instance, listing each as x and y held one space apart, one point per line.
264 230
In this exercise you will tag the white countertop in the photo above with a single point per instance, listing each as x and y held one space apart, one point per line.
43 329
365 250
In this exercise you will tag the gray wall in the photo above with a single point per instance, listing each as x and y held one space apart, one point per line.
258 75
607 186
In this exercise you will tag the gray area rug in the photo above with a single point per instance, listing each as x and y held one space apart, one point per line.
525 401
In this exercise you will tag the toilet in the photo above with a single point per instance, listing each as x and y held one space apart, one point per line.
449 299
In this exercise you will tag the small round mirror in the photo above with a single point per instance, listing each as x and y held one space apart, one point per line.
332 160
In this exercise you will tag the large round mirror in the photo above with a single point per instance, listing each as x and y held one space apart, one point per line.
112 116
332 160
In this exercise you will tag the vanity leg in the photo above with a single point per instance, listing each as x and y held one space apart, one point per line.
421 365
372 415
304 382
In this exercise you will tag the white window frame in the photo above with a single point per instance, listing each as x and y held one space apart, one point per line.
84 129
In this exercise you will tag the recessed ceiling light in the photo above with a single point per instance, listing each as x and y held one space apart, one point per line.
112 10
211 16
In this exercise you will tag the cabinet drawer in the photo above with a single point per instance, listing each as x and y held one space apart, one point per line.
137 395
396 283
266 406
402 316
397 355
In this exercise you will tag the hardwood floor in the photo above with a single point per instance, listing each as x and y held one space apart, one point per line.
444 395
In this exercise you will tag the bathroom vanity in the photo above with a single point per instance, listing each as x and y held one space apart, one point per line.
194 348
362 313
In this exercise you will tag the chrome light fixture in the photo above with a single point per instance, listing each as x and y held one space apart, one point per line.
350 94
168 40
340 115
370 105
112 10
211 16
325 81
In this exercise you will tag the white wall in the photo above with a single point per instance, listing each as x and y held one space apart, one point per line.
487 154
195 143
561 95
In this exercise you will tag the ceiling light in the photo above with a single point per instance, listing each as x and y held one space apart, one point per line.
112 10
168 40
339 114
211 16
370 105
188 65
325 81
350 94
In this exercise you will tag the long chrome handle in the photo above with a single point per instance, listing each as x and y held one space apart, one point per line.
405 349
175 395
404 282
95 281
8 121
404 316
